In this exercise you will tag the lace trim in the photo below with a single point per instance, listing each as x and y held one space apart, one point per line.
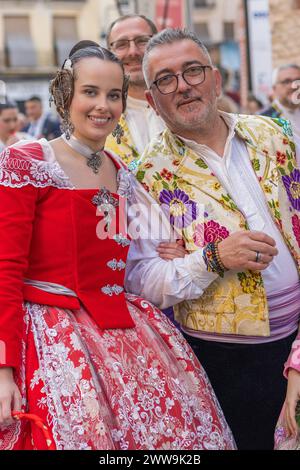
16 172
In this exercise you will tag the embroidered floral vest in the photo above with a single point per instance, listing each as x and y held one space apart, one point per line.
126 148
176 176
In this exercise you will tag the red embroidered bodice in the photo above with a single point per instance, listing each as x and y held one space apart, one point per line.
48 233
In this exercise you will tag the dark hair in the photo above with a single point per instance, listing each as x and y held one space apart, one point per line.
169 36
8 105
127 17
256 100
62 86
83 45
35 98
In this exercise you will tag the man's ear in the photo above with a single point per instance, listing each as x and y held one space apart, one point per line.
218 81
150 100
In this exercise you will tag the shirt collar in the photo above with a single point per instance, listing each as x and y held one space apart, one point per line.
230 120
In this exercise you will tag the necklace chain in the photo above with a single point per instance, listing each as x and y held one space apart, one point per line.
93 159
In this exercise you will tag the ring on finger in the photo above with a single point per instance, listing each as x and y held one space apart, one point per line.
258 257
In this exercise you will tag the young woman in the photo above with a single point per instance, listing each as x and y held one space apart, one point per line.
102 368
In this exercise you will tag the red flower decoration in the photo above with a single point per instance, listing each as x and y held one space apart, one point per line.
148 165
209 232
167 175
280 157
146 187
296 228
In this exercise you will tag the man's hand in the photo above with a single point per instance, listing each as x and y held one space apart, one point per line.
172 250
239 251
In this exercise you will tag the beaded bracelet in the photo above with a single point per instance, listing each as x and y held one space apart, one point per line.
212 259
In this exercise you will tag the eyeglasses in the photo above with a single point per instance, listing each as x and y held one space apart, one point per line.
194 75
289 81
123 44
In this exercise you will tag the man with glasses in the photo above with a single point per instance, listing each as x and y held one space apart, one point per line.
127 38
286 89
230 186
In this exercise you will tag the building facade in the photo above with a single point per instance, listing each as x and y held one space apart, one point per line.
35 38
285 27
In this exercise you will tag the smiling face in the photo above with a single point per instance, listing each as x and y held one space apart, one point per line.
131 56
97 101
190 107
286 86
8 122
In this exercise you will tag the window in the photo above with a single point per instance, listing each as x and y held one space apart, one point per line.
65 36
201 29
19 48
204 3
228 31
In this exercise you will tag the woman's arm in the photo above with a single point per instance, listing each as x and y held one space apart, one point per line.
18 198
292 372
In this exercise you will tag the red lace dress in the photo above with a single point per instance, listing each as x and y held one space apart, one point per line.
103 368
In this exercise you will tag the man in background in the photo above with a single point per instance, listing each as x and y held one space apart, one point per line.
127 38
286 103
40 124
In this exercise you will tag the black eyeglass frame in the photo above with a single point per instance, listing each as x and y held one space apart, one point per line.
176 75
112 44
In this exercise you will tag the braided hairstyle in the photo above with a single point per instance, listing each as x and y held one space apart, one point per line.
62 86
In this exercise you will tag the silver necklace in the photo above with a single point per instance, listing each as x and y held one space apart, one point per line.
93 159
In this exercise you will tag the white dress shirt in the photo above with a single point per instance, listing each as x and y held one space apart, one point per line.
143 122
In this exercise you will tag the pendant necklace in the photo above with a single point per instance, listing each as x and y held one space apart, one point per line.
93 159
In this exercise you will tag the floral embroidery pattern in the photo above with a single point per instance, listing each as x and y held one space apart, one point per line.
167 175
18 171
296 228
292 185
209 232
280 157
136 388
249 282
180 209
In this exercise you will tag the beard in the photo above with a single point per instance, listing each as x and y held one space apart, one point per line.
136 79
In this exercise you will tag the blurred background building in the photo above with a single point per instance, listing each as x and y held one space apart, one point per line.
245 37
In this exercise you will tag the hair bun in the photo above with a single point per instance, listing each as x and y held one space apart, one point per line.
82 45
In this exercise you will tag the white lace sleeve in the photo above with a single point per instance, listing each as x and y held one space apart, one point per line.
164 283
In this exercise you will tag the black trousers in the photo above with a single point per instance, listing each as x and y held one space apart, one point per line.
249 384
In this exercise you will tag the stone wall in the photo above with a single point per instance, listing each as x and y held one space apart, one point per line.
285 27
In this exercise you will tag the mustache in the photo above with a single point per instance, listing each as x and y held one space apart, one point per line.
136 61
187 99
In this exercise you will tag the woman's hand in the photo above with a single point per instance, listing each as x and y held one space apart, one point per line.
171 250
10 397
292 397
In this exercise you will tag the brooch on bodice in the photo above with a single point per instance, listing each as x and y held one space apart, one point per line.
107 203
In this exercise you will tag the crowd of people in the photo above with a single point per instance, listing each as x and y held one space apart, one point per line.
147 197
